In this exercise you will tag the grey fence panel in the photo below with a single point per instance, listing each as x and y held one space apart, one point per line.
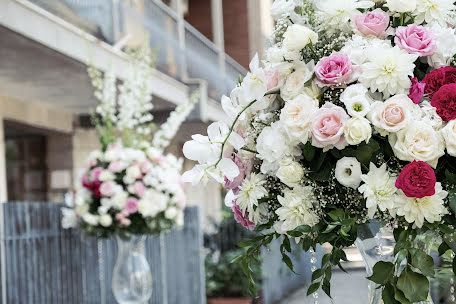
278 280
45 264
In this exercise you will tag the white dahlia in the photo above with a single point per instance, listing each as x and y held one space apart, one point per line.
378 189
297 208
387 70
251 190
416 210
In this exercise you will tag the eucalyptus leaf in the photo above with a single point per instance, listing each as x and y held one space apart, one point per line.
415 286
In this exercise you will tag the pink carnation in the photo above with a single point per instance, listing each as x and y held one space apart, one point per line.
242 219
244 170
131 205
417 91
117 166
417 179
335 70
372 23
328 127
108 188
139 188
416 39
95 173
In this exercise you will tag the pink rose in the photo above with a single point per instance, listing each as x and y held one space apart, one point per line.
244 170
131 206
242 219
417 91
95 173
146 166
139 188
416 39
328 127
108 188
335 70
125 222
372 23
117 166
272 79
417 179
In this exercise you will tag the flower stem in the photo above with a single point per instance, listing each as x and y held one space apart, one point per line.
249 150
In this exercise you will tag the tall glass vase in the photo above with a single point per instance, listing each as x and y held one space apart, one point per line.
132 278
376 243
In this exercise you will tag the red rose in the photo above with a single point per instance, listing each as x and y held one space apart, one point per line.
438 78
445 102
417 179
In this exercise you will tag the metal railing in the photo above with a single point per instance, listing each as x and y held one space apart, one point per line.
182 51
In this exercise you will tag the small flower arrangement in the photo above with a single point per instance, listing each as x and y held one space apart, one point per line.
130 186
350 118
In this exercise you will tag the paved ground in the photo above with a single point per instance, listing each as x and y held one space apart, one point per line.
346 289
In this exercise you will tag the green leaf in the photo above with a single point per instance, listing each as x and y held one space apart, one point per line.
452 200
317 274
451 177
304 229
399 296
329 228
382 271
309 152
316 165
306 244
443 248
286 259
388 294
326 286
313 288
401 256
454 264
450 239
423 262
325 259
286 244
415 286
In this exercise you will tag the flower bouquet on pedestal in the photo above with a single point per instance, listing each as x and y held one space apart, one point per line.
130 188
345 134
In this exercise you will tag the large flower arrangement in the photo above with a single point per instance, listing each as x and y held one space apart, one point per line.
130 186
351 117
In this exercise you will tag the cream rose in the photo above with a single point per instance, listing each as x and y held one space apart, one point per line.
419 141
357 130
449 134
298 37
294 84
296 117
392 115
290 172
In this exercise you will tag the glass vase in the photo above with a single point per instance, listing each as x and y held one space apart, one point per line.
376 243
132 278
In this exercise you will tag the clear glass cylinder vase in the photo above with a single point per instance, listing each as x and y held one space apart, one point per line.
376 243
132 277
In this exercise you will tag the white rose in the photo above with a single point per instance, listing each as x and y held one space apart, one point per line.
401 6
298 37
449 134
106 176
290 172
171 213
348 172
419 141
296 117
294 83
105 220
356 100
357 130
392 115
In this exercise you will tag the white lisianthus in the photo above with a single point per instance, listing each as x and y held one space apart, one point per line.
273 144
387 70
356 100
298 37
105 220
296 117
401 6
251 190
419 141
357 130
449 134
290 172
297 208
69 220
392 115
378 189
348 172
335 15
433 11
294 83
417 210
282 8
446 45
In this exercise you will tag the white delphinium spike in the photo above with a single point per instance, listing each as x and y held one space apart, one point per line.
168 130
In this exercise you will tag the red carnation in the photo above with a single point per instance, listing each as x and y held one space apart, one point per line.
417 179
445 102
438 78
